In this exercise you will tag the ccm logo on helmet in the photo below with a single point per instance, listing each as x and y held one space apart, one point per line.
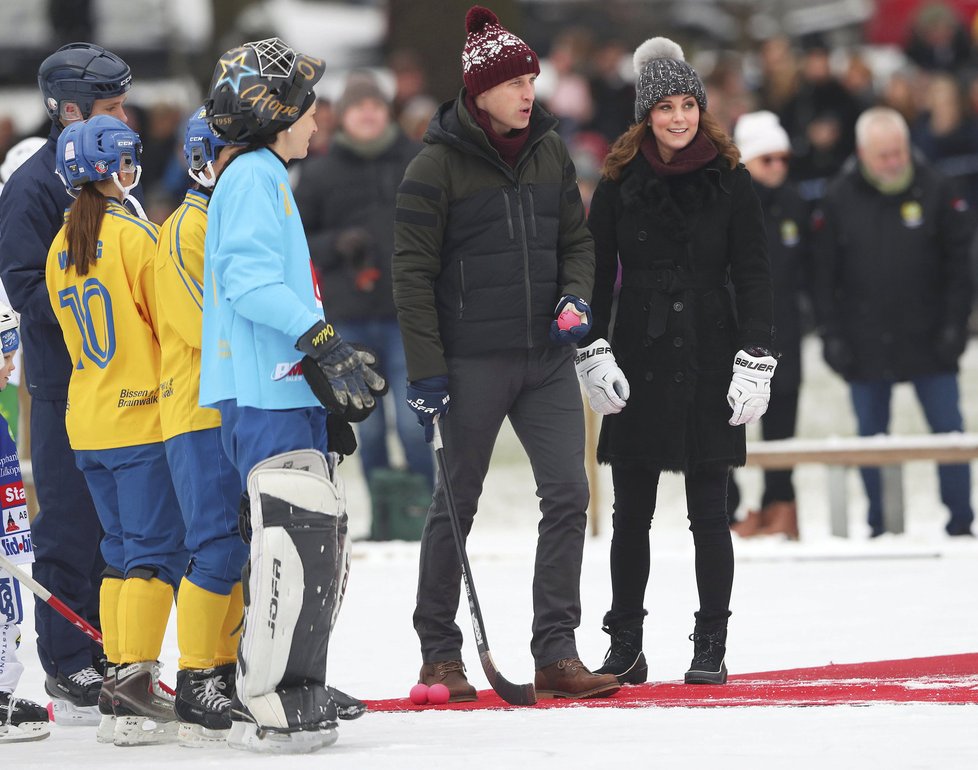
758 365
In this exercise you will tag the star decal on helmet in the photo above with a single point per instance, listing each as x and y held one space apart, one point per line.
232 70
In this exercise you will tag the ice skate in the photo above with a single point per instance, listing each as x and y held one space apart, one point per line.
106 726
347 707
144 712
22 720
203 705
74 698
247 735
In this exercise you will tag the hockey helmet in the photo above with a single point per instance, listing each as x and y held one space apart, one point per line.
201 146
260 89
95 149
81 73
9 334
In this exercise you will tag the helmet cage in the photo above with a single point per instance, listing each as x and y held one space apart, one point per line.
100 148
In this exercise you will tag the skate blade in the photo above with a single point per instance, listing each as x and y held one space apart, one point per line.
25 731
143 731
66 713
197 736
244 736
106 729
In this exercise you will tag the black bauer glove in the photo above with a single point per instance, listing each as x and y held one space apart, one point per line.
341 376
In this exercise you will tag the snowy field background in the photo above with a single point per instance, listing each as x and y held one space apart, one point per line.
822 600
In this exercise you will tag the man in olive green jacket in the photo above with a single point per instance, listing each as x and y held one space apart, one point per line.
490 246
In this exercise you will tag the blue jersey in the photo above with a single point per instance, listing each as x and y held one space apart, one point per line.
258 289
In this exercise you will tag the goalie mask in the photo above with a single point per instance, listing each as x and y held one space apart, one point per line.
260 89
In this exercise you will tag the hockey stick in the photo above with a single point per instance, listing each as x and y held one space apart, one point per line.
515 694
52 601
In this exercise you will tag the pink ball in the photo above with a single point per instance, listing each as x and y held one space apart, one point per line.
438 694
567 319
419 694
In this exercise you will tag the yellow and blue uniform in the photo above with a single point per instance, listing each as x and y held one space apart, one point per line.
108 319
210 600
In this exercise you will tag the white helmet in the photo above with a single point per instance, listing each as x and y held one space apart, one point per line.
19 153
9 323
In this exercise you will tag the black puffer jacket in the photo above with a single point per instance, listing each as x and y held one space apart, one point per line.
892 281
676 333
482 252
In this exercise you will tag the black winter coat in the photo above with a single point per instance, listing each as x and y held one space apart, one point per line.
343 190
676 332
892 279
786 222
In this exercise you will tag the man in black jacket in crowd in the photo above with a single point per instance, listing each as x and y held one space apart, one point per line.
893 293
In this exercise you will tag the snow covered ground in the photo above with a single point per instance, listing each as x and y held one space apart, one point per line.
822 600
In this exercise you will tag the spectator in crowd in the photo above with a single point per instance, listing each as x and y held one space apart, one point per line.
779 74
678 212
347 204
77 81
947 134
892 299
569 98
901 93
938 39
409 79
490 247
766 152
612 95
416 116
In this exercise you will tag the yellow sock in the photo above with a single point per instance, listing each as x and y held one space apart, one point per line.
200 614
108 613
144 609
227 642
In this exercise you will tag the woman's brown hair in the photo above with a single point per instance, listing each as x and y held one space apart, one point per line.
626 146
84 225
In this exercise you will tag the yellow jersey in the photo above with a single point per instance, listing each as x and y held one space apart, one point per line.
180 297
108 318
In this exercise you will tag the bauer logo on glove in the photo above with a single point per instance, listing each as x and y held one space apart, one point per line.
750 385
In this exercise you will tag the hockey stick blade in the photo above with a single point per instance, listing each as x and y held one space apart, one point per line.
514 694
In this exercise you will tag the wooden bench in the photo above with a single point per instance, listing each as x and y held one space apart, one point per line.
889 453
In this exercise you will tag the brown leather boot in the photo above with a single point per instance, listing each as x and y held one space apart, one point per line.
782 519
750 526
569 678
450 673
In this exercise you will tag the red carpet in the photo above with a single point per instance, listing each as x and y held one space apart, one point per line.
945 679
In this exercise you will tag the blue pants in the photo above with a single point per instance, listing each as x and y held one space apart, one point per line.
66 535
939 397
251 435
138 508
209 492
384 338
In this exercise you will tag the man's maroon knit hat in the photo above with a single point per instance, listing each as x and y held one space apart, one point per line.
493 55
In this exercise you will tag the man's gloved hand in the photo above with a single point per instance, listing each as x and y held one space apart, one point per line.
605 384
428 398
342 377
572 320
353 245
750 386
838 355
951 342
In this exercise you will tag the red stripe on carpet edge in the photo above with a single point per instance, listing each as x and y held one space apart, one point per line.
948 679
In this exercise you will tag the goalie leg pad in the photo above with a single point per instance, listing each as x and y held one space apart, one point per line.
291 592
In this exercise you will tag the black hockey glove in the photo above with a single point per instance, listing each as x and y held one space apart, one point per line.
339 436
341 376
838 355
951 342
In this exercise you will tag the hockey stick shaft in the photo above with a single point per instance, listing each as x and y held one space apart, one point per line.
52 601
514 694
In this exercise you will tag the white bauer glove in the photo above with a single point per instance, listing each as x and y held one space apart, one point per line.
605 384
750 386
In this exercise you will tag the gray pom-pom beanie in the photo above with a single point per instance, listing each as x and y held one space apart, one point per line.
662 71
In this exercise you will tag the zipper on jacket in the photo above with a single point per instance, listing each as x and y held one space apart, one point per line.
533 213
526 266
509 213
461 287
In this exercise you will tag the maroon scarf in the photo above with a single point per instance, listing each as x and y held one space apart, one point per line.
508 146
690 158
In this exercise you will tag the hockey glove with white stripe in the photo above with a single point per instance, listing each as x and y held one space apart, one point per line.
750 385
428 398
342 377
605 384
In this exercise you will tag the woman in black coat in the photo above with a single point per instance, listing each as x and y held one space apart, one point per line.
678 213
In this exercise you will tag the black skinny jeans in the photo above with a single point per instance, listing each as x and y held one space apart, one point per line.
635 497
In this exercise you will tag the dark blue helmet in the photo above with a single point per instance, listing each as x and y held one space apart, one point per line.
81 73
261 88
201 146
95 149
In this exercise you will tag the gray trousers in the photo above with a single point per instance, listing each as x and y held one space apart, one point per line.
538 390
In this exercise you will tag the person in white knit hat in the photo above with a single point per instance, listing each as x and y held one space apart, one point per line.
677 210
766 152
